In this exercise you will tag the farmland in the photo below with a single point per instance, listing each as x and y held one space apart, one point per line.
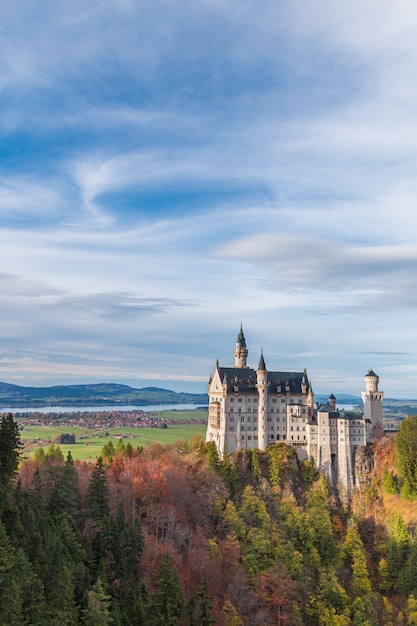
92 432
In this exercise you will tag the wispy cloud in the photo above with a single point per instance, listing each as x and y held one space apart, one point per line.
169 169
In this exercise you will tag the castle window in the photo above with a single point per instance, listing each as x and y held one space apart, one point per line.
243 437
232 419
249 438
231 410
239 410
232 399
274 400
249 419
249 399
242 419
231 428
240 400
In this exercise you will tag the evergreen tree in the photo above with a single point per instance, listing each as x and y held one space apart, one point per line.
97 612
168 601
98 498
190 611
120 447
213 458
108 451
10 451
205 604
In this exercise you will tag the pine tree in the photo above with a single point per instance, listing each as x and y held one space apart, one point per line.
168 601
206 604
98 499
97 612
10 451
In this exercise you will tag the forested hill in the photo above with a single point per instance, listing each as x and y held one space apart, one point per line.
175 535
93 395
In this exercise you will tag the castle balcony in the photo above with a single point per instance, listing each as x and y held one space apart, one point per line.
214 414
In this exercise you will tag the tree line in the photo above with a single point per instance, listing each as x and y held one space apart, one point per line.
175 535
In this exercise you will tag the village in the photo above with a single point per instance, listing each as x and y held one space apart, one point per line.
100 419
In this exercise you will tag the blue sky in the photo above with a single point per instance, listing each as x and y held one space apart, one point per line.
169 169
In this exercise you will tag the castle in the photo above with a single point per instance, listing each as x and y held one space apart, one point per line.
254 409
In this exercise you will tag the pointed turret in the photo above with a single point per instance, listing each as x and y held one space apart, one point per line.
241 351
262 387
262 366
310 401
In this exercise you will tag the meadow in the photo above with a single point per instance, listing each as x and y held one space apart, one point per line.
90 441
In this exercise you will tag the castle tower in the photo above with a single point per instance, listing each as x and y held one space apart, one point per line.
332 402
310 401
372 405
241 351
262 386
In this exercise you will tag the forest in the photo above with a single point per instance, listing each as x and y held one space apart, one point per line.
174 535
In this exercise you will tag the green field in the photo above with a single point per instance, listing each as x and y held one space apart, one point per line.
89 442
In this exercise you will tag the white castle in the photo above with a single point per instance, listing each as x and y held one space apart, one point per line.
254 409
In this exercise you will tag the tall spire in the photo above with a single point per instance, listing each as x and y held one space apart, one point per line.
241 337
241 351
262 366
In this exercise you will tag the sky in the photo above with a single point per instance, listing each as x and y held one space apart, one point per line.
170 169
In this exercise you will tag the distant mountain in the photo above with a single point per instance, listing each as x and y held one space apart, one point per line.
93 395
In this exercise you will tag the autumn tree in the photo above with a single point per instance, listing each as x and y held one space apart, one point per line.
406 457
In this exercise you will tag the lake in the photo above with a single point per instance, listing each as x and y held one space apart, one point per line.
109 408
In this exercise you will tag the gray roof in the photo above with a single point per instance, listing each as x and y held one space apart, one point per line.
244 378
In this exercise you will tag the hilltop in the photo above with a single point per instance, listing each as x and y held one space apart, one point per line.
93 395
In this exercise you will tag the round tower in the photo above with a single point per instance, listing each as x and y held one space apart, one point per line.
262 387
241 351
310 401
372 407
